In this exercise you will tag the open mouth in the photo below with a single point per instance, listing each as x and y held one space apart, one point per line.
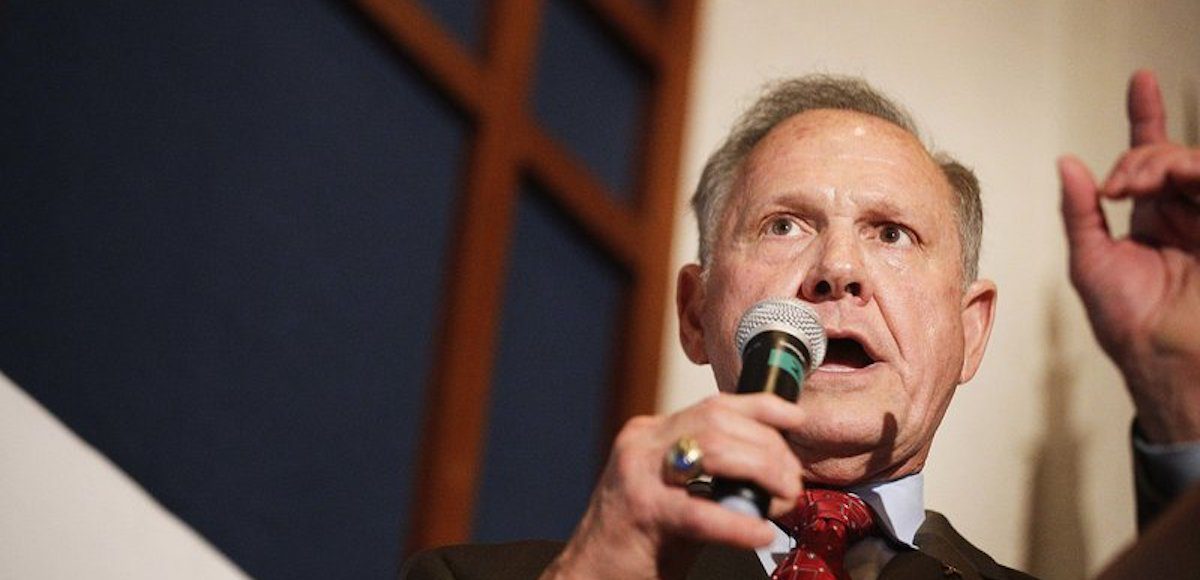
847 352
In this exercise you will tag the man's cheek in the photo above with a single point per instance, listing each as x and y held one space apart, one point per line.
897 262
754 281
779 254
944 350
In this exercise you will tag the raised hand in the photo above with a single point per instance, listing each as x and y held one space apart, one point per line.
1142 293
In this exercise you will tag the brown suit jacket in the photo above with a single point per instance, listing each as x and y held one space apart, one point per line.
943 554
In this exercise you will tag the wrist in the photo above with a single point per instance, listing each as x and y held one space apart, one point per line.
1171 428
580 563
600 550
1167 399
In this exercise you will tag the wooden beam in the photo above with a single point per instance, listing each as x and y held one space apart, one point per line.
413 30
584 198
457 396
637 390
638 27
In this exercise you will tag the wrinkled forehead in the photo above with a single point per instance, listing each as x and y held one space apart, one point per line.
850 148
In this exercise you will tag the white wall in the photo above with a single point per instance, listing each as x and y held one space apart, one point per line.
1006 87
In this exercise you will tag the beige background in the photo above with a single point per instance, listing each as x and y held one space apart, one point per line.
1006 86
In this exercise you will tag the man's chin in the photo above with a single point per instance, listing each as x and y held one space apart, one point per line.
840 479
846 471
842 449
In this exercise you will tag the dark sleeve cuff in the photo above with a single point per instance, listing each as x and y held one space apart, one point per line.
1161 474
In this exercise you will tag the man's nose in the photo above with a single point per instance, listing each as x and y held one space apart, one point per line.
838 272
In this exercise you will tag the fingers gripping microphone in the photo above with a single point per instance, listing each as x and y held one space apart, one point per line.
781 341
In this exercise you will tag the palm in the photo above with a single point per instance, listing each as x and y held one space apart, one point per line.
1170 262
1133 288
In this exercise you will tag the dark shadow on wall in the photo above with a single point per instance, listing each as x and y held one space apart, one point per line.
1191 117
1056 543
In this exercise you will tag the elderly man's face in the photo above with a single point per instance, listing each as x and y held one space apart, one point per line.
848 212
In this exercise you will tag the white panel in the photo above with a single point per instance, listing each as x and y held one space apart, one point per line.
69 513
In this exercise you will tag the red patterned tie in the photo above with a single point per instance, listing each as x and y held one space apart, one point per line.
824 523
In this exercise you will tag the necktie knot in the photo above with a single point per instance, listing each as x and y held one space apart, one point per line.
824 523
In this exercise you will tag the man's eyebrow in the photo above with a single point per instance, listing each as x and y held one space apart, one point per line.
794 199
880 205
884 206
874 203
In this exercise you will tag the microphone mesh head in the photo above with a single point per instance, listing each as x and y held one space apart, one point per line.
785 315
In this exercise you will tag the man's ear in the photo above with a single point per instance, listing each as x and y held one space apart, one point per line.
978 312
689 305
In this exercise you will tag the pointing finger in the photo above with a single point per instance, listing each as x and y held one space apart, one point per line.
1147 116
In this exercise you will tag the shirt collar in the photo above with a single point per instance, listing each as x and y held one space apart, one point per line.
899 505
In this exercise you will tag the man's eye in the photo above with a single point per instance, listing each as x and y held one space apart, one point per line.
894 234
783 227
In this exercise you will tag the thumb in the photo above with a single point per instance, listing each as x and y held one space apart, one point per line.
1087 230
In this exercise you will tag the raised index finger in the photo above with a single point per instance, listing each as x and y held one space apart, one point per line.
1144 105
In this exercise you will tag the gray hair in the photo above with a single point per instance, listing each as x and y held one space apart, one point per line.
784 99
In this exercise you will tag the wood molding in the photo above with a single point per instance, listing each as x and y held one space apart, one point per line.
451 456
414 31
638 28
508 142
637 390
584 198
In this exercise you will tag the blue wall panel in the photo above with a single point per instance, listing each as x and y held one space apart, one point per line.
549 397
463 19
221 232
588 92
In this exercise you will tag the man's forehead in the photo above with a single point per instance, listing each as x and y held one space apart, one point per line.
859 133
843 146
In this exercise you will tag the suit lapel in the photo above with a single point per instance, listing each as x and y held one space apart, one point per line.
944 552
914 565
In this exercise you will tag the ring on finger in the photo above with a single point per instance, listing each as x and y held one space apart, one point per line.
682 462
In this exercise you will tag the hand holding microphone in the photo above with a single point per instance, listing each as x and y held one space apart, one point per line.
781 341
642 507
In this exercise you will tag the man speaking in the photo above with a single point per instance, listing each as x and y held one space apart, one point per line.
824 193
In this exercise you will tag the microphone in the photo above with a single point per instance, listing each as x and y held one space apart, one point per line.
781 341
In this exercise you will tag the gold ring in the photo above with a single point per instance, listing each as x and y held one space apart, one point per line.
681 463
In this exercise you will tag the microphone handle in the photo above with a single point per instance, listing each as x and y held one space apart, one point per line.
774 362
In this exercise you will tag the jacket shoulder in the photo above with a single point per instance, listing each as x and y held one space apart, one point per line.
514 560
527 560
938 539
